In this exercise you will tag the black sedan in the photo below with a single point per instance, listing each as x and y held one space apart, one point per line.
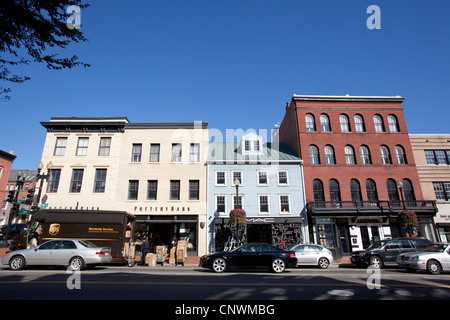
249 256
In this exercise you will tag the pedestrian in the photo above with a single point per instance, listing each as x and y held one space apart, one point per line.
145 248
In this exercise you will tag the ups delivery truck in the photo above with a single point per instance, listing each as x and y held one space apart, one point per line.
104 228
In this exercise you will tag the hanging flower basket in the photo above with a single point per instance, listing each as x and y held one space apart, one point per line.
238 216
408 218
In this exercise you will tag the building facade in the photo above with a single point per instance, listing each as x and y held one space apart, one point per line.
432 156
155 171
6 161
264 179
359 168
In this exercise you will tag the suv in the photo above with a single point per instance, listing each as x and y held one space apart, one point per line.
16 229
386 251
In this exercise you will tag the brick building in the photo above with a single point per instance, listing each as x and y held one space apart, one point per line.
6 160
359 170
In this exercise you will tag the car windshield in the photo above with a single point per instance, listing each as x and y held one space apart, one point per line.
87 244
377 245
437 247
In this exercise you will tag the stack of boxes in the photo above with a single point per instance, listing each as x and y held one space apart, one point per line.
177 255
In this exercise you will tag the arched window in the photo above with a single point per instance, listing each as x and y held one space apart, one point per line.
318 191
392 190
349 155
359 123
408 190
365 155
345 123
393 123
314 155
378 122
385 155
310 123
400 155
329 155
371 190
355 190
325 123
335 193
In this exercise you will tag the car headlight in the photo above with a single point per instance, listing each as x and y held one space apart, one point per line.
414 258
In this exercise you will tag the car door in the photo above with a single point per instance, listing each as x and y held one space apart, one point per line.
43 254
446 258
248 256
392 250
65 251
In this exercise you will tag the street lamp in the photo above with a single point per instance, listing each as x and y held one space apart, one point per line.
236 183
400 186
42 177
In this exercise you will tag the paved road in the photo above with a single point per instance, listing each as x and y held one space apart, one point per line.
193 283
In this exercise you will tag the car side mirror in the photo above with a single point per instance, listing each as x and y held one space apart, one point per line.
35 249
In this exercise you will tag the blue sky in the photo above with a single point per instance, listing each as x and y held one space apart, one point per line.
235 64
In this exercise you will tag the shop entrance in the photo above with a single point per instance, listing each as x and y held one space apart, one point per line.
259 233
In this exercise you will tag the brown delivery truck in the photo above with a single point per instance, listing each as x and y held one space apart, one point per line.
112 229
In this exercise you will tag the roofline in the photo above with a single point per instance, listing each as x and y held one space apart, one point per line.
168 125
347 98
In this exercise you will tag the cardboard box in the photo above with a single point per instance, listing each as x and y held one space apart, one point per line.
150 259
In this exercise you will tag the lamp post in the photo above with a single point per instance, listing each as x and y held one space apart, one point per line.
42 177
236 183
400 186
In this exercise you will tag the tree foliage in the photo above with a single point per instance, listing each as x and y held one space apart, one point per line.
28 29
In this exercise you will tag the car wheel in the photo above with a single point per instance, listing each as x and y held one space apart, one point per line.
323 263
278 265
434 267
17 263
376 262
219 265
76 263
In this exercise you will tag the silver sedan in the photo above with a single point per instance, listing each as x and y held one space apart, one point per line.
313 255
434 259
77 254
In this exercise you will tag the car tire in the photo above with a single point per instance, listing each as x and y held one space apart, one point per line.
434 267
376 262
323 263
278 265
219 265
17 263
76 263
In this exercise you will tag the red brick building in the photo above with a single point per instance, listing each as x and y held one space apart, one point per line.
355 150
6 160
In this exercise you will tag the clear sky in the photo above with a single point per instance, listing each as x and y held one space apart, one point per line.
235 64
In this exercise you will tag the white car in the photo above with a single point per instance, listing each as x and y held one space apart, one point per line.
434 259
77 254
313 255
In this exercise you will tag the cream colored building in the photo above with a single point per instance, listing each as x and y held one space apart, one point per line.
155 171
432 156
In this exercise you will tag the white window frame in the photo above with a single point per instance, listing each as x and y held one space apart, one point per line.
257 178
287 177
82 146
259 204
289 202
60 146
242 177
225 204
234 197
224 176
194 152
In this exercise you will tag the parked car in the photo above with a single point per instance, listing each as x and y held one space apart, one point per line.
313 255
77 254
16 228
249 256
434 259
385 252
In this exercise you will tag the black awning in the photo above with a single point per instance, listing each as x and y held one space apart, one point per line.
262 220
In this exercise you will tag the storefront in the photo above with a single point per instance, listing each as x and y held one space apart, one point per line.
280 232
167 230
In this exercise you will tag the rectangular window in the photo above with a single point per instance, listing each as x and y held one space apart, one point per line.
237 205
237 175
284 204
105 146
442 190
100 180
154 152
152 189
133 189
60 147
263 204
82 146
194 155
174 189
282 178
53 182
437 157
194 189
247 145
77 180
441 157
136 152
176 152
220 178
220 204
262 178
